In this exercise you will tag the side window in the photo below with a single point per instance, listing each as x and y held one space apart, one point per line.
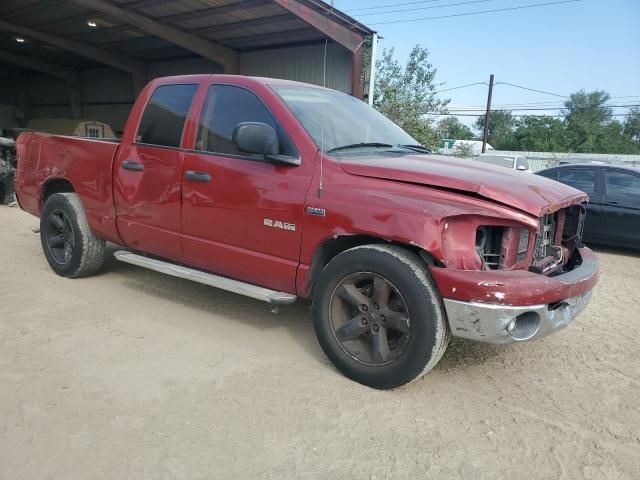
164 116
225 107
621 183
582 179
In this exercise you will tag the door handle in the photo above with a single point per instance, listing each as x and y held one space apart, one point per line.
611 202
197 176
129 165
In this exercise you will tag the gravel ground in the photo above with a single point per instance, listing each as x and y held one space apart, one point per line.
135 375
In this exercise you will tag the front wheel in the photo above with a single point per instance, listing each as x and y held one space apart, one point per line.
70 247
378 316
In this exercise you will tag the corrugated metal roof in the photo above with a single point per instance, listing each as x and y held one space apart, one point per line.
243 25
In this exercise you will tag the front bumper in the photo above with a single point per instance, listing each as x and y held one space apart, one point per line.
507 324
514 306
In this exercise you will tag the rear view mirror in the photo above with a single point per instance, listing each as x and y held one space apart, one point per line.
521 167
260 138
256 137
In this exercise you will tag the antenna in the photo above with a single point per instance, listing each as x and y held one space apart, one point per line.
324 84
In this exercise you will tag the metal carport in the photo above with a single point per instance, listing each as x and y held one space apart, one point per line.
89 58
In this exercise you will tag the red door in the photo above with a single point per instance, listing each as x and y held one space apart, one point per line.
242 215
148 173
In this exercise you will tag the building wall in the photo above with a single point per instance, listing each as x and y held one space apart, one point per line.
107 93
303 63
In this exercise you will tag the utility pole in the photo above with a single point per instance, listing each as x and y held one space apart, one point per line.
487 115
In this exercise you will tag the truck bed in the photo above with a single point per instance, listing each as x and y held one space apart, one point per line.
47 161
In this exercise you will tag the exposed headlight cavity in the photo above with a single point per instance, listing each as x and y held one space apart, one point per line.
489 246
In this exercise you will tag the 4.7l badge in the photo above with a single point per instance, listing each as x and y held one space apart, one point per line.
278 224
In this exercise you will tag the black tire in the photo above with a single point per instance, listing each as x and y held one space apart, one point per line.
70 247
427 332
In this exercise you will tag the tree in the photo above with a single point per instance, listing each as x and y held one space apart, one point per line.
540 134
586 118
451 127
406 94
463 150
632 126
501 127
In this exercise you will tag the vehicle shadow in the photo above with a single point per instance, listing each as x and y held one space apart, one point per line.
222 305
229 307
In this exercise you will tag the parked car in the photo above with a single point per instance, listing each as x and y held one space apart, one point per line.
288 190
514 162
614 201
597 160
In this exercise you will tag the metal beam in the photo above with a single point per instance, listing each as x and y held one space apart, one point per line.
339 33
216 30
206 48
121 62
66 73
83 17
213 11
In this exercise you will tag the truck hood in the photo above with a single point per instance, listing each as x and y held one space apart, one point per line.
530 193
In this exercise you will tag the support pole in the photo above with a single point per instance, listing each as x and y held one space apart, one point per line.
487 116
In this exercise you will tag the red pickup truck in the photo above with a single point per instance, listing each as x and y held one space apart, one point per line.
277 190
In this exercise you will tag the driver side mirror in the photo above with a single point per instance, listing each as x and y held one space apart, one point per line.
262 139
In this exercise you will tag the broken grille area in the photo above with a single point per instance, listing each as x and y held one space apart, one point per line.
544 241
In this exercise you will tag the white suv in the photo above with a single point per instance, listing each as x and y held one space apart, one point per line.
514 162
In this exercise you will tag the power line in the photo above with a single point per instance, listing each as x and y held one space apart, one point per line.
392 5
533 89
476 13
531 109
516 116
530 106
461 86
423 8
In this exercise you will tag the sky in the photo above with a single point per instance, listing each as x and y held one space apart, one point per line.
562 48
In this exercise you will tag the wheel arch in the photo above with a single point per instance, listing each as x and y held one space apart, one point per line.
333 246
55 185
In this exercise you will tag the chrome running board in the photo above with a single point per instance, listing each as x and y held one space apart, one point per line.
246 289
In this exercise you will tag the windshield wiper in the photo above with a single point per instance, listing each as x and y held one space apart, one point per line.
359 145
416 148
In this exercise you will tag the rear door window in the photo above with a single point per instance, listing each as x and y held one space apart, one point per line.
622 183
164 116
583 179
553 175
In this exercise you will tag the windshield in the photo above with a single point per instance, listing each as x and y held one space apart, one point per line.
336 120
497 160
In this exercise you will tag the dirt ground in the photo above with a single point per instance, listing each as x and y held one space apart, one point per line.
135 375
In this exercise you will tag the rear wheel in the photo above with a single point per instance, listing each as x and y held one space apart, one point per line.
379 317
70 247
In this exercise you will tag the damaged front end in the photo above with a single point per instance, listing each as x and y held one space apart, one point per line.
519 282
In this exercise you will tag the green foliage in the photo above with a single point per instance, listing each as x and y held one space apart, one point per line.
587 120
451 127
463 150
539 134
406 93
632 126
501 127
587 127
